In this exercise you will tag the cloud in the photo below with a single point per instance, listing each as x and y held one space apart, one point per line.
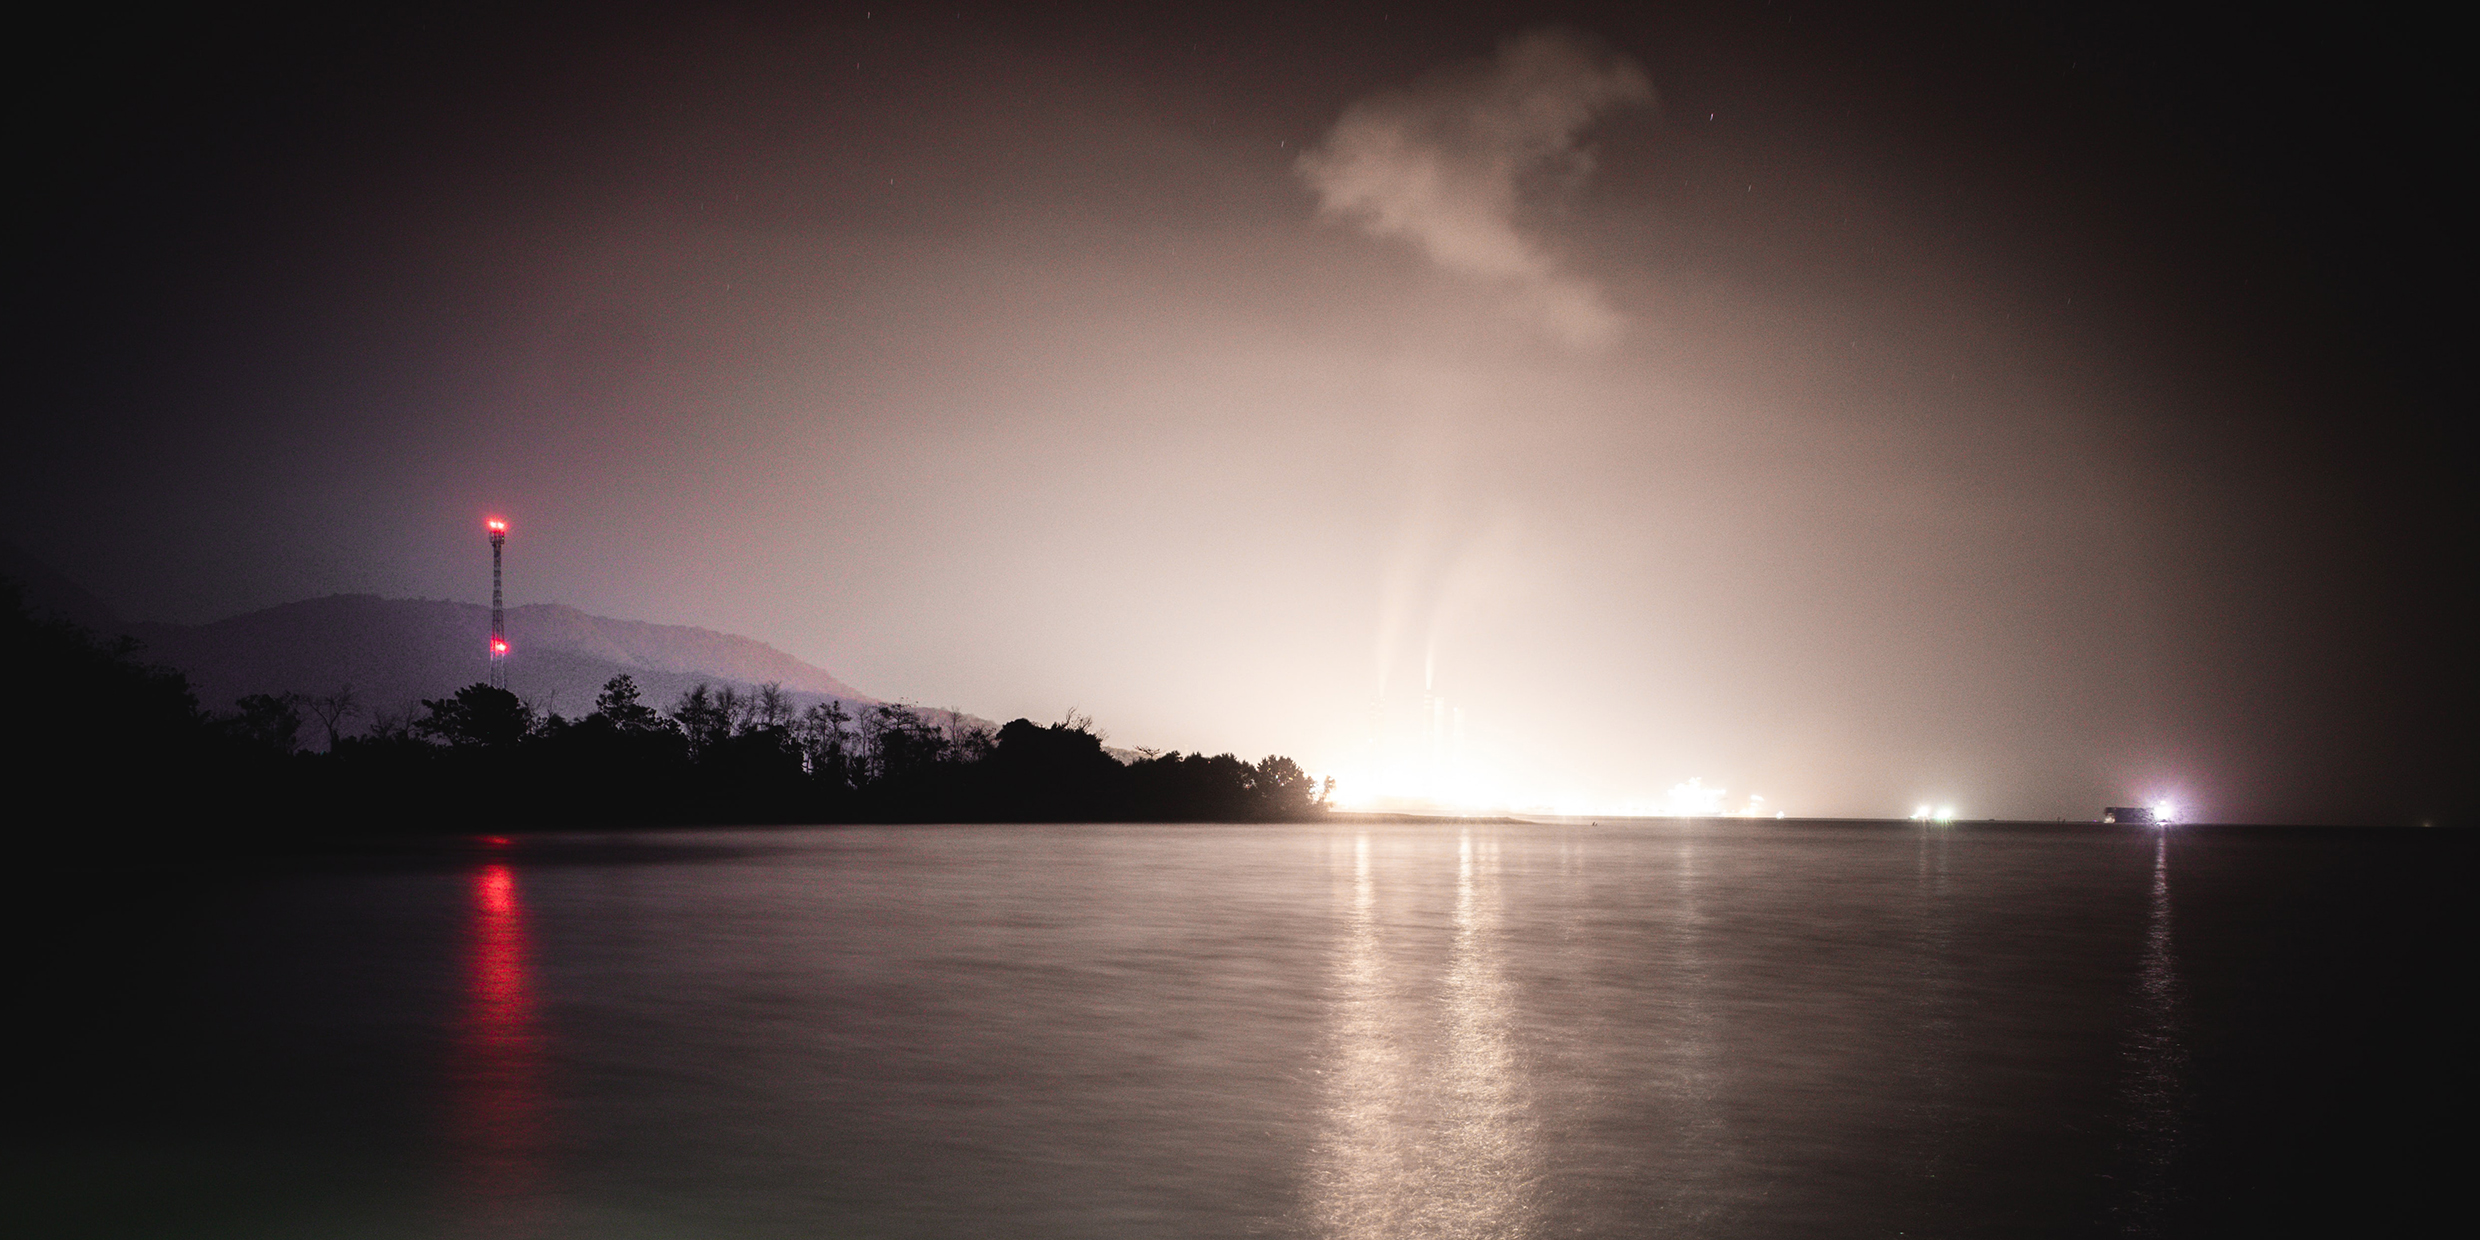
1444 163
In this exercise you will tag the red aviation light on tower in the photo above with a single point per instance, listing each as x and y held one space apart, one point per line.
497 528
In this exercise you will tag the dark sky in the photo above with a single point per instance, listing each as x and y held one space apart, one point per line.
2016 409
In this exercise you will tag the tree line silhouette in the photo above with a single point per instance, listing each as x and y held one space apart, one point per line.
134 738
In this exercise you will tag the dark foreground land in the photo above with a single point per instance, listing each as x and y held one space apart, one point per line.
103 737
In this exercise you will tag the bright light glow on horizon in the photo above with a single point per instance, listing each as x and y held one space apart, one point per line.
1694 800
1474 787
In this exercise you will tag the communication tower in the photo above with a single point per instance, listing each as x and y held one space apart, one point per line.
498 529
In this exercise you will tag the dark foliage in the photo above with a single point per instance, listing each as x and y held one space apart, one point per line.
478 717
96 721
268 723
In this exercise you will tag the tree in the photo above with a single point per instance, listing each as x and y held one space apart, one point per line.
900 742
331 709
771 708
968 740
478 717
394 726
1283 790
705 717
618 705
733 709
1054 772
88 718
826 741
268 722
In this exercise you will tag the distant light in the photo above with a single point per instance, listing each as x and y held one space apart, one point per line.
499 647
496 525
1946 813
1921 814
1778 813
2165 812
1694 800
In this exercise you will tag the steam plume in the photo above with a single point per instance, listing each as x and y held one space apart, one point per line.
1442 163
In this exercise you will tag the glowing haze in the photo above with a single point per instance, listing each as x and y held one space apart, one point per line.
1659 413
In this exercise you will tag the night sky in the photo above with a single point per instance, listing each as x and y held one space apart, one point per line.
2017 409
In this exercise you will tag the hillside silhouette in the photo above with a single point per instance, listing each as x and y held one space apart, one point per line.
117 732
397 653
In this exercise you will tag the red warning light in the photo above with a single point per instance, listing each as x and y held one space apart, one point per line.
499 647
496 525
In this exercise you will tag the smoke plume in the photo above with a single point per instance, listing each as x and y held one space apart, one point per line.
1444 163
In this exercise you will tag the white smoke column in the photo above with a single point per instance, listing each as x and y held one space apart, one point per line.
1442 162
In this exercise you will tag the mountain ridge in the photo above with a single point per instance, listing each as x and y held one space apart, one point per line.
396 652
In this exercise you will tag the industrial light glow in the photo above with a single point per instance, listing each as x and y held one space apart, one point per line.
1694 800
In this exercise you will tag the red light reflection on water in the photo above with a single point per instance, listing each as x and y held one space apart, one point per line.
498 1068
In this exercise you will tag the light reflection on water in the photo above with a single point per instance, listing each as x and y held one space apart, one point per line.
1492 1160
1700 1146
498 1086
2156 1061
1934 1046
1353 1031
1428 1131
1362 1151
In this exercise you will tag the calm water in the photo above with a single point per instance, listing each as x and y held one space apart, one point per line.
1320 1031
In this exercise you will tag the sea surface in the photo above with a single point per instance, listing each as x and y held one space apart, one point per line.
1692 1029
